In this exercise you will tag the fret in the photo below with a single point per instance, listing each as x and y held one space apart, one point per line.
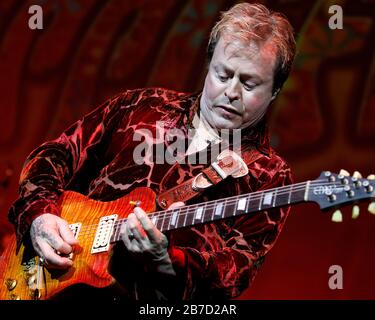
159 221
298 193
306 195
181 218
253 204
260 200
209 211
230 208
190 216
219 210
166 220
118 229
154 219
173 220
116 232
274 198
283 197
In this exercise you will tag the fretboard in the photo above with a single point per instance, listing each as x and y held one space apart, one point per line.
191 215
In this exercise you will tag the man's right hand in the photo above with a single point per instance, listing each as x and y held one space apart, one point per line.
51 234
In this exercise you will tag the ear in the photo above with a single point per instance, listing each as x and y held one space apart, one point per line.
275 94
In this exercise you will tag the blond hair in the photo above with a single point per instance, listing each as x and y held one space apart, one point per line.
254 23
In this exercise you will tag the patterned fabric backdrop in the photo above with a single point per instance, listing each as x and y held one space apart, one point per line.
89 50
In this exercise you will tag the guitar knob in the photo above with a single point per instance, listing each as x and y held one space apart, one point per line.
10 284
357 183
14 297
35 294
369 188
332 197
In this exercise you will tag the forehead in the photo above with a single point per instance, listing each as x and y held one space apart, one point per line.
255 56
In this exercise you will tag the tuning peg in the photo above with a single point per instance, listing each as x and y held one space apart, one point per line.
371 177
337 216
344 172
357 175
371 207
355 212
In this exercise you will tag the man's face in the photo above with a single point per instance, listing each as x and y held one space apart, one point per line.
238 86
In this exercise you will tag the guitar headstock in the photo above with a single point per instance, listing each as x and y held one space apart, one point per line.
332 190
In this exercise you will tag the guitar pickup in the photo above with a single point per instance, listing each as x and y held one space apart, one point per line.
103 234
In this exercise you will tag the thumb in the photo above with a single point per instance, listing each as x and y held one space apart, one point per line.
176 205
66 233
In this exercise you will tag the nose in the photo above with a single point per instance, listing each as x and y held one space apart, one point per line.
232 91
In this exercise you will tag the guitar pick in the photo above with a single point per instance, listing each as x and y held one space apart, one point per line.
355 212
337 216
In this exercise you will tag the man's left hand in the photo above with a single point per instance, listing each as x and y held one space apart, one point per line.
143 239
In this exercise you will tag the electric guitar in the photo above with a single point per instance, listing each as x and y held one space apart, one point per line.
97 224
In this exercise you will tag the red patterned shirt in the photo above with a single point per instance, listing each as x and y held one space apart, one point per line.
95 157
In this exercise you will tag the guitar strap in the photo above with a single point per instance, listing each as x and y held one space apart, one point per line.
228 163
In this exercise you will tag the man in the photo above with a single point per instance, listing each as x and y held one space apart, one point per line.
250 53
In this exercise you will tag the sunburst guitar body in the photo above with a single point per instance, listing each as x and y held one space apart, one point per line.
94 224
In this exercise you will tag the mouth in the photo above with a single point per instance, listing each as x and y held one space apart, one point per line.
229 109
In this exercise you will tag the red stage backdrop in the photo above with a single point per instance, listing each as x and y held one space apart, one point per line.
88 50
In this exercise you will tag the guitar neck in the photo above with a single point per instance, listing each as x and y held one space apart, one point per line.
225 208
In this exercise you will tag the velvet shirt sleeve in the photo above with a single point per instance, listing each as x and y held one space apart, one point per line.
51 167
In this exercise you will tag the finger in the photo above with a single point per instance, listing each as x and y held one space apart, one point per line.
124 235
131 245
52 237
146 223
65 233
371 177
57 243
176 205
135 227
53 259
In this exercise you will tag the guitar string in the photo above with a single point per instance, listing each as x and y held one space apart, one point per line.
207 205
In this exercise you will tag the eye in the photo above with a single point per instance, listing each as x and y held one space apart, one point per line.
249 86
222 77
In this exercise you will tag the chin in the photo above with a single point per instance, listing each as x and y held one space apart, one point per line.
227 124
